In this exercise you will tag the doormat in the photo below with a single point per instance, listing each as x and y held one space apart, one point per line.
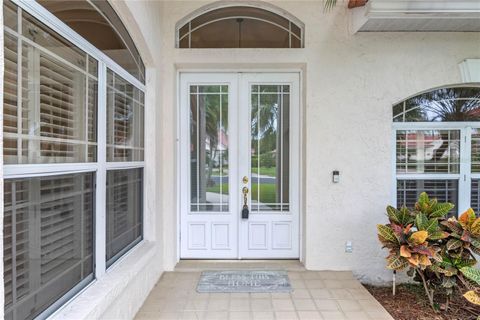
244 281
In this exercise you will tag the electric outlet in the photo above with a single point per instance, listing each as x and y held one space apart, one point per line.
348 247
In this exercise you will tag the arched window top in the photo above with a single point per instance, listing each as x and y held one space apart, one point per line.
448 104
98 23
240 27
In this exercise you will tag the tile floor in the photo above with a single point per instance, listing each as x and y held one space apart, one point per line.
316 295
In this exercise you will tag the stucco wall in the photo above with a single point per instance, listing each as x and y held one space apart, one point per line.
350 84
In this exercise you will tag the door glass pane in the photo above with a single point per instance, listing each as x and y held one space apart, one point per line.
270 132
209 175
428 151
408 191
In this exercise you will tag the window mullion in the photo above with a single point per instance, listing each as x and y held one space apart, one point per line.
464 191
100 216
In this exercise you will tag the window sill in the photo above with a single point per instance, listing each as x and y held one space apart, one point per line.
98 296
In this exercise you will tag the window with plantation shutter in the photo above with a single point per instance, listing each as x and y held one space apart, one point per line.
51 100
62 122
438 147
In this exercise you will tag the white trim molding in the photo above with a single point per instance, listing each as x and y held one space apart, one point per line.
470 70
411 16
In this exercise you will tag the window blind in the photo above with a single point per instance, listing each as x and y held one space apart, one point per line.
48 245
408 191
124 208
125 120
52 118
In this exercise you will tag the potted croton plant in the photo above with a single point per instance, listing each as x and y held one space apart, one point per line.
437 250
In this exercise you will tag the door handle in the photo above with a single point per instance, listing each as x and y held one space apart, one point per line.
245 210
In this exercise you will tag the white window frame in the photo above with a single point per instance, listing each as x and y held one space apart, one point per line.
464 177
101 166
220 5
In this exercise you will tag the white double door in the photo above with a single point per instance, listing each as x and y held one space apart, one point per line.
239 132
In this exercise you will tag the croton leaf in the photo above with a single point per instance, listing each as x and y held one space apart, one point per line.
396 262
466 263
450 271
405 252
457 254
455 235
418 237
414 259
437 235
472 297
465 236
422 221
397 229
453 225
475 228
440 210
435 268
393 214
467 218
406 230
386 233
437 257
423 250
453 244
424 260
423 198
432 226
472 274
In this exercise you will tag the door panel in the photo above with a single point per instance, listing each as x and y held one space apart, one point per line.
269 156
208 223
235 126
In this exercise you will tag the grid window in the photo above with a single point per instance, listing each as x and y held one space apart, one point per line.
428 151
124 211
438 146
48 240
408 191
50 97
54 178
125 120
475 150
240 27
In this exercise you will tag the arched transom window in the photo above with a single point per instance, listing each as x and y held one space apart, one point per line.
240 27
437 135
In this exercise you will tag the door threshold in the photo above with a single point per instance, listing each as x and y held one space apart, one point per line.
203 265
